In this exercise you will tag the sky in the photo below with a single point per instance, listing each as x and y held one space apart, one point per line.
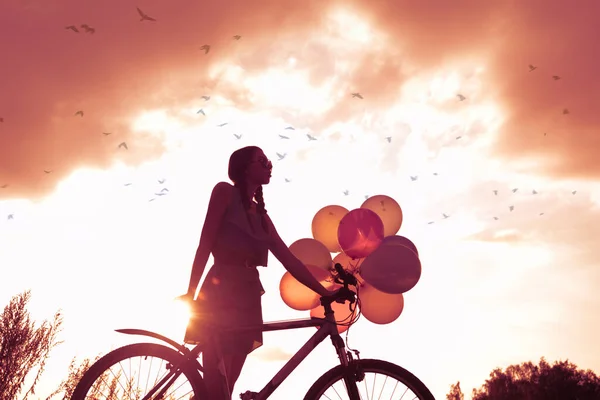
89 235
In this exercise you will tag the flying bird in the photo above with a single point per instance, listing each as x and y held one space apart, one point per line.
161 181
574 191
206 48
79 113
566 111
106 133
164 190
287 180
88 29
460 97
310 137
222 125
283 137
458 137
515 190
496 218
144 17
281 156
366 196
160 194
4 186
534 191
511 208
541 213
555 77
357 95
237 136
414 178
389 139
430 222
201 111
127 184
237 37
495 192
435 173
346 192
445 215
290 128
532 67
1 119
124 145
11 216
47 171
206 98
73 28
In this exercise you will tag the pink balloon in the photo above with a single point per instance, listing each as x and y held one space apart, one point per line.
394 240
360 232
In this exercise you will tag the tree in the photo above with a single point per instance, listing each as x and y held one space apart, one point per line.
455 392
23 347
560 381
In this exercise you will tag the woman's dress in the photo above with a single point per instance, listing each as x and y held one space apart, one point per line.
230 296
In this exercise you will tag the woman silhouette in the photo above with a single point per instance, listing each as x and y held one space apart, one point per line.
239 233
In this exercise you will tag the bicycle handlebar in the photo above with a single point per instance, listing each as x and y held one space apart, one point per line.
344 294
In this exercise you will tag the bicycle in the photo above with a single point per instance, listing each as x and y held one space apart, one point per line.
180 361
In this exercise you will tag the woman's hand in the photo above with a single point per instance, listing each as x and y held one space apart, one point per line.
186 298
329 293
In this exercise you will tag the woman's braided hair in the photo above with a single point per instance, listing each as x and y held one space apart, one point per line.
238 163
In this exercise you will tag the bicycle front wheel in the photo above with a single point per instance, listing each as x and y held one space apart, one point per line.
374 379
141 371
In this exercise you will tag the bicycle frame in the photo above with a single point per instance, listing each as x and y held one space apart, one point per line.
327 327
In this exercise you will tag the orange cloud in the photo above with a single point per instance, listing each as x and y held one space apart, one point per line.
127 66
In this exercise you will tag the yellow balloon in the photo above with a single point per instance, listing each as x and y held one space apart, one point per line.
379 307
298 296
312 252
388 210
325 226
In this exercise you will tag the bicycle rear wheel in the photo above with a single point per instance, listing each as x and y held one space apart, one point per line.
381 380
136 370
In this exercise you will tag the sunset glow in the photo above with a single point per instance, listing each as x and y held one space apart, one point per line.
494 165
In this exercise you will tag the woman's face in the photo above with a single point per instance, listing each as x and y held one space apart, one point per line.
259 169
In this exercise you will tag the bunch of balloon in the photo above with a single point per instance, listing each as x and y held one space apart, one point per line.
386 265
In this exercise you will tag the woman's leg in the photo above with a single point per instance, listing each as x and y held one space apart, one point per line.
212 376
233 365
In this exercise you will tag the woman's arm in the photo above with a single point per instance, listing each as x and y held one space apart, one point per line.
291 263
219 200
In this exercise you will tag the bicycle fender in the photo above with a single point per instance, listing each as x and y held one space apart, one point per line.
182 349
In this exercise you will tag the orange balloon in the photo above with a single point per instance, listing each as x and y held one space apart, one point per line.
325 225
341 312
349 264
379 307
388 210
298 296
312 252
392 268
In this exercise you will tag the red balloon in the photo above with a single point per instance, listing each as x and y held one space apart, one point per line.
360 232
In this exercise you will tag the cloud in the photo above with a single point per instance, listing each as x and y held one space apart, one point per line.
273 354
128 66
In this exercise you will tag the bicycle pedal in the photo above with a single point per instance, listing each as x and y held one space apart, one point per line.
248 395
